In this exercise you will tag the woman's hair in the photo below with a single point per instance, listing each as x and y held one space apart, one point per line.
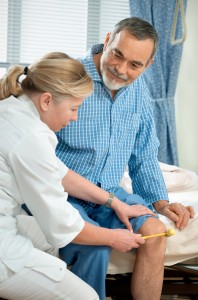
138 28
56 73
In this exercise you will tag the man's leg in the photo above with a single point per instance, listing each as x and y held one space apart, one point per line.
90 263
148 270
147 278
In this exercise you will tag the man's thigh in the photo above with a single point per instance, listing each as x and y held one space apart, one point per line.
84 210
106 217
82 254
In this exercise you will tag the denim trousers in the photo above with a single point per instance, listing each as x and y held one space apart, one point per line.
90 263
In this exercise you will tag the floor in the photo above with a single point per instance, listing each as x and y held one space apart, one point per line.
164 297
174 298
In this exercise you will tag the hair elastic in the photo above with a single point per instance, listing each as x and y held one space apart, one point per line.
25 70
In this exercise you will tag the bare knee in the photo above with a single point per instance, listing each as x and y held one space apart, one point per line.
152 226
153 246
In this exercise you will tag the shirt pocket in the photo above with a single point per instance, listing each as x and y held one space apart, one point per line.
127 128
79 158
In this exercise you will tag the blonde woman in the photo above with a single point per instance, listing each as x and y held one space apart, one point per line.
31 110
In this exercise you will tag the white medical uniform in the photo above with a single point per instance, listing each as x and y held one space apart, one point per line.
31 173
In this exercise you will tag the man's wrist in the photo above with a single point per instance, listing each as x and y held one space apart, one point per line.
160 204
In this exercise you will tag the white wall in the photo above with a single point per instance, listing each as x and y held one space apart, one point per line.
187 94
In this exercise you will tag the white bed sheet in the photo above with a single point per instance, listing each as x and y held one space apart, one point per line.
182 247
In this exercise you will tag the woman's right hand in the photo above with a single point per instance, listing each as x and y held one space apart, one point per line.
124 240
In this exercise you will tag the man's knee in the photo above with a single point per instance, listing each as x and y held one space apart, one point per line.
154 247
152 226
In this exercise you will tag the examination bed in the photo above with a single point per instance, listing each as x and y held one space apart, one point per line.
181 259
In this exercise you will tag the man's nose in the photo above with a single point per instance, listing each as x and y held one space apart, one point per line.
74 116
122 67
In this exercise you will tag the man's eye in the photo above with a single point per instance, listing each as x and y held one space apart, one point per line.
116 54
133 66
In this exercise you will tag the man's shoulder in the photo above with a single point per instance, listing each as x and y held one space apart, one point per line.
144 86
139 88
88 57
140 82
88 61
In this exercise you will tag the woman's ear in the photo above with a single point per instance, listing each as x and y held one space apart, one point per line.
45 101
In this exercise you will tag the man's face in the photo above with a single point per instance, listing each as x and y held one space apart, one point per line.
124 59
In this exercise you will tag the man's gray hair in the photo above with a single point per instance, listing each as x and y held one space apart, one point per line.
139 28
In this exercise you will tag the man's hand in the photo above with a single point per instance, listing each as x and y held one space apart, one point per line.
176 212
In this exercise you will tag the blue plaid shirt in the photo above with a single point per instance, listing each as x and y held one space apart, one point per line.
113 133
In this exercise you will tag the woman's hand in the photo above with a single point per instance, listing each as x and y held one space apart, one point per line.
120 239
125 211
123 240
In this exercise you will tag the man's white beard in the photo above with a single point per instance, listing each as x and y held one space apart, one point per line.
112 84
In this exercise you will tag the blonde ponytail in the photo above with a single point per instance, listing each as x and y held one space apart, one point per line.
9 84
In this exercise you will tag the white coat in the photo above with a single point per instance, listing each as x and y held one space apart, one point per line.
31 173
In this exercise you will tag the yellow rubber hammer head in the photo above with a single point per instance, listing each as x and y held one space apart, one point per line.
168 233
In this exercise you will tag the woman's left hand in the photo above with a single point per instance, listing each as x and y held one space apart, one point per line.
126 212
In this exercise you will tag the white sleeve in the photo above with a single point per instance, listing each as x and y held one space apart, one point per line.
63 168
38 176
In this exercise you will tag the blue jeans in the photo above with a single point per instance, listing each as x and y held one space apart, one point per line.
90 263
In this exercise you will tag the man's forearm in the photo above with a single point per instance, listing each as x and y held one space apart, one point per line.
158 205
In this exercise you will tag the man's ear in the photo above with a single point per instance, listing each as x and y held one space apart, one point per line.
106 40
45 101
150 63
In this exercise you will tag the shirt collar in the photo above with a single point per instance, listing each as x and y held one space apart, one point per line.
89 63
29 103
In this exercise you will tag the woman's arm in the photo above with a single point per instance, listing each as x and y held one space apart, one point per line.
120 239
79 187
